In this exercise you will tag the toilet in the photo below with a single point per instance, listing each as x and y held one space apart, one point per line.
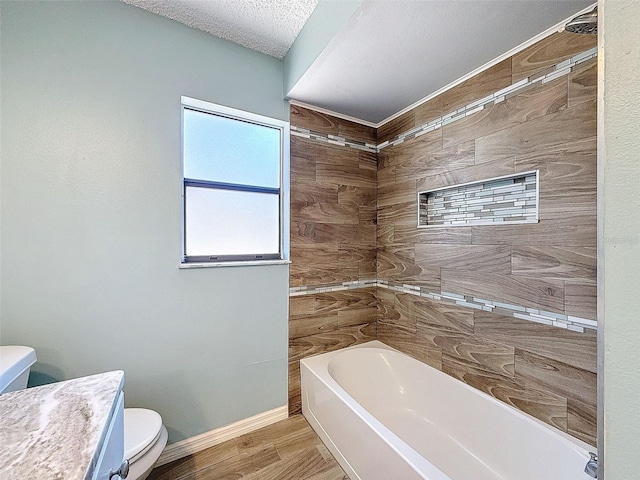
144 439
144 434
15 365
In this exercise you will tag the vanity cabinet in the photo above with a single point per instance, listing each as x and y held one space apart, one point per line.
112 451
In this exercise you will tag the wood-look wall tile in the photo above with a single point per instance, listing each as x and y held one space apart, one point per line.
583 82
397 193
399 214
570 160
312 324
491 80
368 161
490 169
578 232
547 132
536 293
453 236
328 213
345 173
580 298
425 277
393 263
304 305
312 120
356 316
554 262
385 234
573 348
404 306
353 195
356 131
407 342
415 157
557 377
344 300
442 161
560 198
466 349
307 256
444 315
330 341
480 258
550 51
367 215
308 193
386 174
543 405
359 256
386 307
396 126
302 170
312 232
294 382
316 275
307 148
533 103
582 421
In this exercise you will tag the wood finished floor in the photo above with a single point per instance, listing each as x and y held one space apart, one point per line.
286 450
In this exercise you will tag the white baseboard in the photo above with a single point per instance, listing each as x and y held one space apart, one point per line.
189 446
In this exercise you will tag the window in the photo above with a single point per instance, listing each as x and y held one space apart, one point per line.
235 176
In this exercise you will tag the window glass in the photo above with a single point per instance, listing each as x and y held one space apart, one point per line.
224 222
221 149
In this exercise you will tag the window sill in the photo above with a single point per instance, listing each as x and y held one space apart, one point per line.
251 263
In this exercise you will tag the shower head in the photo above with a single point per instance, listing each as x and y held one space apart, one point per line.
586 23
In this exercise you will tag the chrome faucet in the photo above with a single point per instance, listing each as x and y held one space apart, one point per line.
591 468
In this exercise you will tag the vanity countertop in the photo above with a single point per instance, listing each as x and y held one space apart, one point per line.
55 431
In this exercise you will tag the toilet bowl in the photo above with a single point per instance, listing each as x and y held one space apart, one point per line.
144 439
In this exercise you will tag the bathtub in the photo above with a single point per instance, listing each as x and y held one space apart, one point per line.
387 416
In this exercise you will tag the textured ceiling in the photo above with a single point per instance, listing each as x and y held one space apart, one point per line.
268 26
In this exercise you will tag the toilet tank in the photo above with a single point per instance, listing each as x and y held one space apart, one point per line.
15 364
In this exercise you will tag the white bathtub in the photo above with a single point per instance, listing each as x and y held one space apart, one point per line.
387 416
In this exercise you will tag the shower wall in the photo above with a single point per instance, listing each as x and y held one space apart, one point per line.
508 309
333 239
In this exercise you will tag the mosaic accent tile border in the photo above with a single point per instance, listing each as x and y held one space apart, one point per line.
509 199
544 317
547 75
333 139
332 287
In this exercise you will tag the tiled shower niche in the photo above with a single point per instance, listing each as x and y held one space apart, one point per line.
496 201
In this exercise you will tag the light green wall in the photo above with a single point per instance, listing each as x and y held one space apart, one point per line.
327 19
90 116
619 240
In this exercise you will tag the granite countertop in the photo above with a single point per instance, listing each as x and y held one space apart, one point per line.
55 431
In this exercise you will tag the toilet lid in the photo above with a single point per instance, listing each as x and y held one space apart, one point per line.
141 428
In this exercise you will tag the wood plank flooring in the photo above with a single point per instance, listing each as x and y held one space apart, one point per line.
286 450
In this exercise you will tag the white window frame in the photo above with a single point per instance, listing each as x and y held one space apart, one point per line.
240 115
